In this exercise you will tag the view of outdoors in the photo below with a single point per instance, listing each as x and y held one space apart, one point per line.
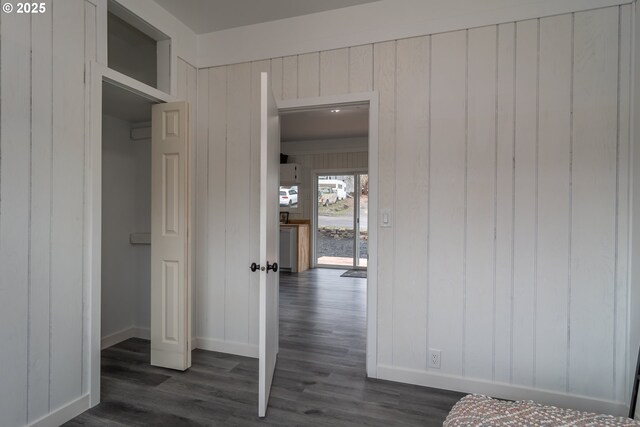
289 196
339 197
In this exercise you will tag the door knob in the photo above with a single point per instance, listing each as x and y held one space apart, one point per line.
273 267
254 267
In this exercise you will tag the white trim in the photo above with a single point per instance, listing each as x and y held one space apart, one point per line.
358 144
93 228
633 331
128 83
64 413
500 390
372 264
325 151
321 101
372 98
372 23
230 347
123 335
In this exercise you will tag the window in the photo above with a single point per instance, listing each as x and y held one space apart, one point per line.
289 196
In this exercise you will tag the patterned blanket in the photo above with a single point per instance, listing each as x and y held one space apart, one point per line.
482 411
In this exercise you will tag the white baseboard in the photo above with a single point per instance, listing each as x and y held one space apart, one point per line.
501 390
64 413
240 349
123 335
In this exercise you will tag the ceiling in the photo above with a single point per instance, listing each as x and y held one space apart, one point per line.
205 16
320 123
124 105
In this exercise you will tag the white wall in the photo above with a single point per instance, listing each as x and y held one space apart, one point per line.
44 300
504 157
372 23
126 194
41 208
142 223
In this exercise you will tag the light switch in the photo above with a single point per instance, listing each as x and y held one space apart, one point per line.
385 218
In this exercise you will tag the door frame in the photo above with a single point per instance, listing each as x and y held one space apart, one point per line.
96 75
315 173
372 98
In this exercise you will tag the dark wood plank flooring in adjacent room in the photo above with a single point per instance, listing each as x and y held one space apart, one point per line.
319 379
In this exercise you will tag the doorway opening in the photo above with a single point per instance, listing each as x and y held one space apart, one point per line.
341 220
329 147
126 216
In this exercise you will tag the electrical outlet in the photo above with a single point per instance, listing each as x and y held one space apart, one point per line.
435 358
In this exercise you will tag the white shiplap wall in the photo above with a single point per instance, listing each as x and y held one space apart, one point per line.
43 296
503 152
42 208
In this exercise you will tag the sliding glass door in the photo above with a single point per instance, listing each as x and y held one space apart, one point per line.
362 237
341 220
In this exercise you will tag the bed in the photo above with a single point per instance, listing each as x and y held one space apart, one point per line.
476 410
482 411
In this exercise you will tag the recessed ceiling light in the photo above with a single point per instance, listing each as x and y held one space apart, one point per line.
335 111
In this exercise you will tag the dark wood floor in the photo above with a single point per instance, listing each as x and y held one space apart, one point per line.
319 379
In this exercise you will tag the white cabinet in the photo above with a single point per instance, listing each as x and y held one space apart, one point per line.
289 248
290 173
294 246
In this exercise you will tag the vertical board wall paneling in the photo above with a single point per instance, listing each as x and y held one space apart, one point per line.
276 77
447 208
181 80
480 201
504 204
15 187
305 190
238 202
553 192
308 75
595 101
621 379
334 72
523 222
384 82
411 190
290 77
254 194
307 207
41 85
525 213
217 199
67 207
201 235
361 68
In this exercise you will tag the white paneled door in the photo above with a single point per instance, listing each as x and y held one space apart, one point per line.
170 290
269 240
